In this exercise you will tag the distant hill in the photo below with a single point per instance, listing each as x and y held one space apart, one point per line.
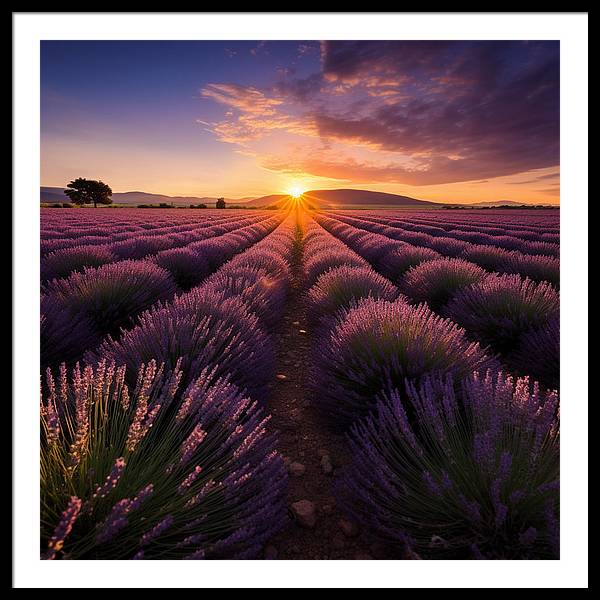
346 198
271 200
56 194
493 203
324 199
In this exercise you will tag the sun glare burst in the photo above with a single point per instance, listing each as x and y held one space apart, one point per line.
296 192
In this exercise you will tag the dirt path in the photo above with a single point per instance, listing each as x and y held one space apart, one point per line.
308 446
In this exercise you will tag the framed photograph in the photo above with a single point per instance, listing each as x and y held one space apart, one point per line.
291 296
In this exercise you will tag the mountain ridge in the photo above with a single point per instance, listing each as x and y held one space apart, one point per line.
56 194
325 199
345 197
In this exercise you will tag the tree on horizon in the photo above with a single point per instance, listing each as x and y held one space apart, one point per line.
220 203
88 191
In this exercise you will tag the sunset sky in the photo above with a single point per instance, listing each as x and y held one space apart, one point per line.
444 121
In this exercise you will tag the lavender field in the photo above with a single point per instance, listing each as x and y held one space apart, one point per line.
299 384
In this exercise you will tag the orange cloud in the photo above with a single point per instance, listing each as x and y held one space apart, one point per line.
244 98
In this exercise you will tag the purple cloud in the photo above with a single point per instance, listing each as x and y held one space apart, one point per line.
466 110
442 111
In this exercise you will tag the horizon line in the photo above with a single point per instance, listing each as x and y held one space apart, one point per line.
249 198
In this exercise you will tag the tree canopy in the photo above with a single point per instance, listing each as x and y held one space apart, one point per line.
88 191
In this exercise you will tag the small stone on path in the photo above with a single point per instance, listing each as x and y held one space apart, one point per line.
297 469
326 465
349 528
305 513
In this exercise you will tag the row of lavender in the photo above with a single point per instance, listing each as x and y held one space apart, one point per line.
513 314
451 457
537 259
111 243
78 223
106 232
78 311
533 228
158 447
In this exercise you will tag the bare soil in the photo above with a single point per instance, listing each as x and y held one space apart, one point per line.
304 439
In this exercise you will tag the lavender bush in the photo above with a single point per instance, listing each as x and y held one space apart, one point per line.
448 246
377 341
536 267
138 247
64 262
63 336
436 281
538 354
188 268
317 263
263 258
263 294
475 475
79 310
155 473
395 263
491 258
339 287
203 328
501 308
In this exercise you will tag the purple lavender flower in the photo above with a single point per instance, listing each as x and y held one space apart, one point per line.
157 530
263 293
64 527
190 444
202 328
319 261
501 308
436 281
185 485
341 286
141 497
415 481
187 267
528 537
82 308
65 261
228 504
115 522
378 341
538 354
49 412
111 480
397 261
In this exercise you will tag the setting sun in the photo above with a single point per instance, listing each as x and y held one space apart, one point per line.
295 192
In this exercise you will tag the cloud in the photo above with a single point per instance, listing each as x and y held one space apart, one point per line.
260 48
245 98
537 179
433 172
553 191
434 112
473 110
247 128
306 49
